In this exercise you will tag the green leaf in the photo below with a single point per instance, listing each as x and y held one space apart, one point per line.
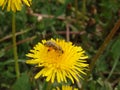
116 54
22 83
116 49
2 52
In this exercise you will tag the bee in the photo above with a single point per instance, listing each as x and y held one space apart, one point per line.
53 45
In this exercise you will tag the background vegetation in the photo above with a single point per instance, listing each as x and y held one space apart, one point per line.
84 22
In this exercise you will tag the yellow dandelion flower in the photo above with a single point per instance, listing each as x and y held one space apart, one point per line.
66 88
14 5
58 60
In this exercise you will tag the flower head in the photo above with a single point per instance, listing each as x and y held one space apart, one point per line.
14 5
58 60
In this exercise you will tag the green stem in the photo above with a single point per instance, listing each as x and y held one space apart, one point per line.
105 43
76 9
15 46
48 85
113 68
84 7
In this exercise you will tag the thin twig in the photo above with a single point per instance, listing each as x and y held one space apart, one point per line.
16 34
67 32
64 32
20 42
105 43
41 16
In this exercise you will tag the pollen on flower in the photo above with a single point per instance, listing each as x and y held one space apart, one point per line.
60 60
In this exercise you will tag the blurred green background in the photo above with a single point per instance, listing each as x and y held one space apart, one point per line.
83 22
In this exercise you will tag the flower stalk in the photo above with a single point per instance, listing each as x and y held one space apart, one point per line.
15 46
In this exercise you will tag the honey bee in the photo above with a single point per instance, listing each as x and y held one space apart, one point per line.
53 45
